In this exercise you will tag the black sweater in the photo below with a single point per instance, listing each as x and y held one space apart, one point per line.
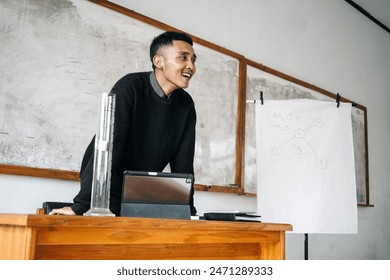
149 133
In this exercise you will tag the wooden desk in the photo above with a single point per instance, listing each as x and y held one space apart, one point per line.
89 238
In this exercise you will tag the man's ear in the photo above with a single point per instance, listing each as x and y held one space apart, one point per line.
157 61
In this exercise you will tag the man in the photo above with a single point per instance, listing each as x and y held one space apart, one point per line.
154 122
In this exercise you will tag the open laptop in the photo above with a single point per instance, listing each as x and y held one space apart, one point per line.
156 194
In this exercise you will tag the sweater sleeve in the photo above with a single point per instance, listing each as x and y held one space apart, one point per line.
82 201
183 162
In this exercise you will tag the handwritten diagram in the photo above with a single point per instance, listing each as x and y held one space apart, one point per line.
298 143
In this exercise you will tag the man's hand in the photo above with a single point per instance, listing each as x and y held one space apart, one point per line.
63 211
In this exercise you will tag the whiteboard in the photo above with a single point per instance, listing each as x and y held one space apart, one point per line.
58 57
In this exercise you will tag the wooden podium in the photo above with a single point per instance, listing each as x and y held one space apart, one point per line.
25 236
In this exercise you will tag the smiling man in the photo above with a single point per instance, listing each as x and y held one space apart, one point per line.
154 122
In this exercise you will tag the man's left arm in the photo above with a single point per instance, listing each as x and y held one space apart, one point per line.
183 161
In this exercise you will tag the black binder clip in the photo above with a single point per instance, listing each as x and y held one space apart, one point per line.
338 97
261 98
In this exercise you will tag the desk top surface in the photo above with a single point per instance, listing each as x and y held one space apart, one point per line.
33 220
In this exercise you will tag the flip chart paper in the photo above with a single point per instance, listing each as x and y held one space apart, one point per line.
306 171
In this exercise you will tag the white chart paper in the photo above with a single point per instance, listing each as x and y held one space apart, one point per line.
306 171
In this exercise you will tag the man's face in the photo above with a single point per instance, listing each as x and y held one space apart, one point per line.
175 66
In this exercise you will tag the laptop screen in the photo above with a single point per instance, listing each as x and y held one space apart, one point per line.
156 187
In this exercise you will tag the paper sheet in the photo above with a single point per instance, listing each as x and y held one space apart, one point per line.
306 171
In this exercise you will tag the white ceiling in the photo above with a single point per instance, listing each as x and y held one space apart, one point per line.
379 9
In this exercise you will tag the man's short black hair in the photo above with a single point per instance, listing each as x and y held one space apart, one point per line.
166 39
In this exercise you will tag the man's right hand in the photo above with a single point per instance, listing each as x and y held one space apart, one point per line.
63 211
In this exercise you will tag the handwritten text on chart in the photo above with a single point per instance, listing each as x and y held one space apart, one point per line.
283 122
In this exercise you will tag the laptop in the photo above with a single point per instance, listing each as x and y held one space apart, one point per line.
156 194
